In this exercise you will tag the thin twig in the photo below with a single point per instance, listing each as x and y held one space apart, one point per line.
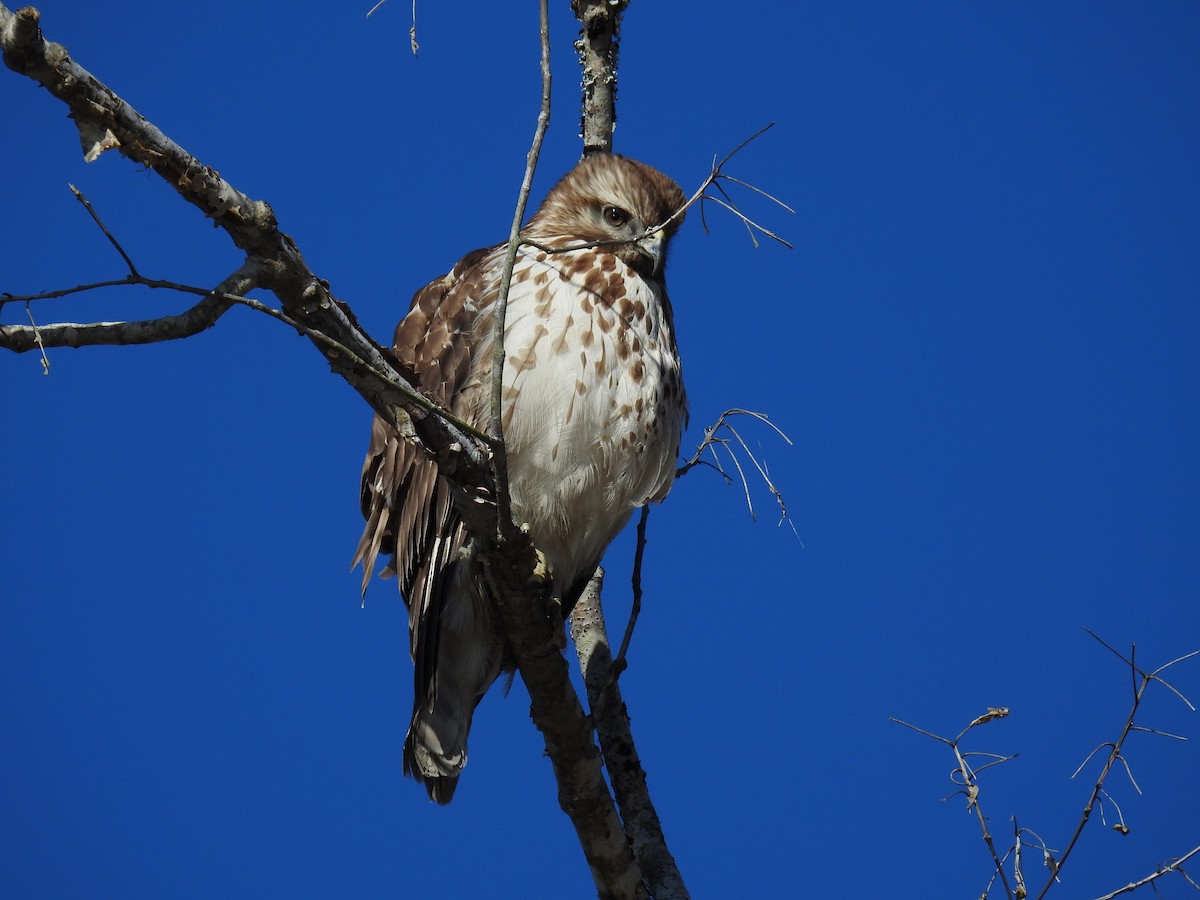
80 288
965 776
1175 866
37 336
717 173
713 439
747 221
496 425
1018 875
619 664
1115 753
108 234
759 191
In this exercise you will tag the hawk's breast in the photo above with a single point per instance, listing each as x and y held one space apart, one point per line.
593 401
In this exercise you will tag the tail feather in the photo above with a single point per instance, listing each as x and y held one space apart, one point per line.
467 658
439 773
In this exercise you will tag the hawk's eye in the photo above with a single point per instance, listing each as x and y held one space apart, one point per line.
615 216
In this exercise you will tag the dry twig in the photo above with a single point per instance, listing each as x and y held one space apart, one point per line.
965 776
717 436
496 425
1115 748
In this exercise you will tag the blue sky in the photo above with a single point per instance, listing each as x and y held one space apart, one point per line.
984 346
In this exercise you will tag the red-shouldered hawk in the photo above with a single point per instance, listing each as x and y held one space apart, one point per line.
593 407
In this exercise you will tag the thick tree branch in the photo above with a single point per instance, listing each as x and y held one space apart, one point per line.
535 641
611 719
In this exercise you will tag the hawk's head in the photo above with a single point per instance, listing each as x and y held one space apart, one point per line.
615 201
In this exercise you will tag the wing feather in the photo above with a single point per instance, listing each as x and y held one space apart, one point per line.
410 518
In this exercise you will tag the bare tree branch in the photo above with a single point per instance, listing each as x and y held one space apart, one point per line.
20 338
635 579
273 256
965 776
495 426
1115 747
714 437
599 38
1176 866
620 755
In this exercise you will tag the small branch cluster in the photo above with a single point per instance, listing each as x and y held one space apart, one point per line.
722 436
712 190
965 775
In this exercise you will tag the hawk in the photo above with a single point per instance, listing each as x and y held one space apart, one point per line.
592 410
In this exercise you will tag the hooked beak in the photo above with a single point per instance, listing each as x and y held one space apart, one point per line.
653 246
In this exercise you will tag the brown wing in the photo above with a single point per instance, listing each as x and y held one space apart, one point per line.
407 507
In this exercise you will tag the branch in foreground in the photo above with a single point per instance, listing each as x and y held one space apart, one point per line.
504 523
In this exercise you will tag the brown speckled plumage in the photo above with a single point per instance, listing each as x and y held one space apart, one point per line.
593 409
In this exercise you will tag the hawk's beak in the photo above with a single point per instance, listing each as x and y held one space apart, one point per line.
654 246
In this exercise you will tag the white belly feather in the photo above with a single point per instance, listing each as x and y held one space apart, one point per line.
593 406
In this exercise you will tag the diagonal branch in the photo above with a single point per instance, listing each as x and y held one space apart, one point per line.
251 225
1141 681
1175 866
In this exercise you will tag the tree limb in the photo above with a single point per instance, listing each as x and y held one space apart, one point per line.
597 45
616 741
271 254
